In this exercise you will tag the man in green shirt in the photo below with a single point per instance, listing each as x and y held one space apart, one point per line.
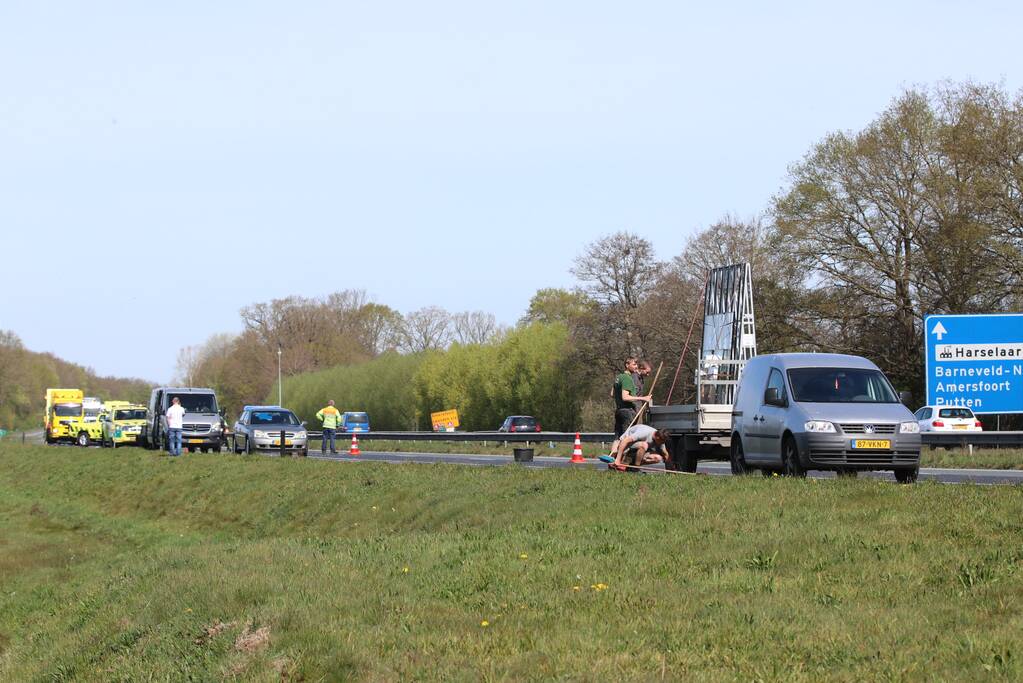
625 394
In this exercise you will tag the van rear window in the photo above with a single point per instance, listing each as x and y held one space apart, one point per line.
840 385
357 418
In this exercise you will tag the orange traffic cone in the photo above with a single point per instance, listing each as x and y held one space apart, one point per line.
577 451
354 450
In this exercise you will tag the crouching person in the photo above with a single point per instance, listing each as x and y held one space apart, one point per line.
642 445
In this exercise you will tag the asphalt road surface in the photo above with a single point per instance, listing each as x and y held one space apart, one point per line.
945 476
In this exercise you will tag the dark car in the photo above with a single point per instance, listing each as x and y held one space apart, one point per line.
520 423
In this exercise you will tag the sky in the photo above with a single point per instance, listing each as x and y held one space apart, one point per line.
163 165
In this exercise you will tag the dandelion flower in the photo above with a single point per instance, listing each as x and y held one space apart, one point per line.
523 556
484 623
577 588
404 570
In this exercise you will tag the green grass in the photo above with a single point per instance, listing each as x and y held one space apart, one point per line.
999 459
133 566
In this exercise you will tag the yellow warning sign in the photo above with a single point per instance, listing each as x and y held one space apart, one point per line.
444 421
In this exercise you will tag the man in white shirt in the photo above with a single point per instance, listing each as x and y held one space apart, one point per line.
175 421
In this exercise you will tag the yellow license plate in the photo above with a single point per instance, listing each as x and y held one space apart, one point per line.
871 443
959 426
287 442
193 440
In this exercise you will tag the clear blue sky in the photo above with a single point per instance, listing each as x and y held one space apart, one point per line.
161 162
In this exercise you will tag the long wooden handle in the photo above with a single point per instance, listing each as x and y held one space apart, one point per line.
639 413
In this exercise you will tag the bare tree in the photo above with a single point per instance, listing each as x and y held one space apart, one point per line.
186 366
425 329
474 327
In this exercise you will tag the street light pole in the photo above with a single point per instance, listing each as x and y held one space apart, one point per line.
280 388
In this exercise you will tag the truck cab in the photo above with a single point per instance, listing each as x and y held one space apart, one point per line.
65 418
63 411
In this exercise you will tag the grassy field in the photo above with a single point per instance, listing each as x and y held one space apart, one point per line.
134 566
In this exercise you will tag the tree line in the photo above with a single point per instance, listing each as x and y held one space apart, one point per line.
26 375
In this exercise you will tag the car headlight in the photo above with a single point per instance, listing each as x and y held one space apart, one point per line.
819 427
301 435
259 434
909 428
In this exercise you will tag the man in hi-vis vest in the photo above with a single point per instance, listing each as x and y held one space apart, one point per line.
330 417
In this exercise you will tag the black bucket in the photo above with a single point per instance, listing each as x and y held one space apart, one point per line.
523 454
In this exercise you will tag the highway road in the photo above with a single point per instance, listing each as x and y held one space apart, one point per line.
943 475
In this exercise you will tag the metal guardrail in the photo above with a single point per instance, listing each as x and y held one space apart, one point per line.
511 437
991 439
963 439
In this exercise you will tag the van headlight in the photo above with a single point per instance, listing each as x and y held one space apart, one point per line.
909 428
820 427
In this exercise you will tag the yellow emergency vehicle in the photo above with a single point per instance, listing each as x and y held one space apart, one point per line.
63 409
65 418
121 423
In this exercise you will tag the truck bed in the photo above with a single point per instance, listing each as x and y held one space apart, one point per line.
691 419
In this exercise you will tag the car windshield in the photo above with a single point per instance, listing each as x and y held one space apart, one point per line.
130 414
197 403
273 417
840 385
357 418
67 409
524 422
963 413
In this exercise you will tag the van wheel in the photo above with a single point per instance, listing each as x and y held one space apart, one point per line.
790 457
234 445
907 475
248 446
49 437
83 439
738 458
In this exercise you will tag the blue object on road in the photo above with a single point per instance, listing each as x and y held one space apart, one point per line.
975 361
606 458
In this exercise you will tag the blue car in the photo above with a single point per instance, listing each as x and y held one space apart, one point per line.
354 422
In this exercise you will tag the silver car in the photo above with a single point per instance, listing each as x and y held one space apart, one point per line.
799 411
259 429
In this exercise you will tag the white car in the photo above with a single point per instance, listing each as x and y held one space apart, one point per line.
947 419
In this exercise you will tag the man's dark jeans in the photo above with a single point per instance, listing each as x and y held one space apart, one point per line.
328 435
623 418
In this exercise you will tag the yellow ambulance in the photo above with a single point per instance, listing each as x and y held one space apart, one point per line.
63 412
121 423
65 418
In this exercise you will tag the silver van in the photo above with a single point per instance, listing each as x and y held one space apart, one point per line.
203 426
795 412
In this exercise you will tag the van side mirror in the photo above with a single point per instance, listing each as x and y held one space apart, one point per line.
303 423
772 397
223 411
905 397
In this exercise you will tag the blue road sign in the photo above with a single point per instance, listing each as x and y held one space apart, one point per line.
975 361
